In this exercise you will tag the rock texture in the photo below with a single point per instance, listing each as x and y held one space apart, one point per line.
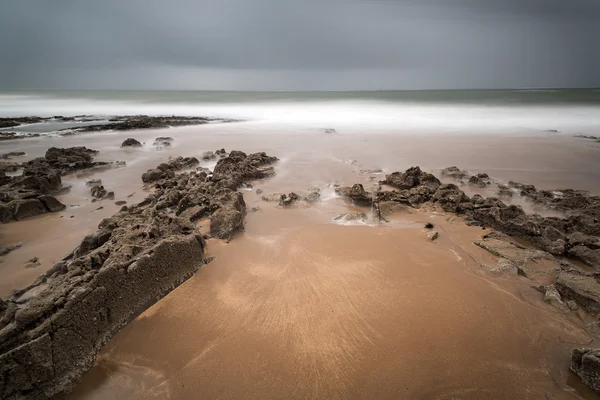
586 364
31 193
131 142
51 331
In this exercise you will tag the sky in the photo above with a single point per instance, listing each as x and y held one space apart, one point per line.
299 44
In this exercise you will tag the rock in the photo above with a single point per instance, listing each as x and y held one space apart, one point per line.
356 194
584 290
330 131
120 202
429 225
351 217
98 192
237 168
259 191
454 172
93 182
27 208
411 178
313 197
479 180
33 263
208 155
51 203
228 219
552 296
221 153
504 191
4 250
433 235
273 197
585 363
451 199
163 141
289 199
131 142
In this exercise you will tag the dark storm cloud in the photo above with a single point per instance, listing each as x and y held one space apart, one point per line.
311 44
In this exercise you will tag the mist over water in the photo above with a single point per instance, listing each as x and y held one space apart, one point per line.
567 111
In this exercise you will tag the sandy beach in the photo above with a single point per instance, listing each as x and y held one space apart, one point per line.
301 306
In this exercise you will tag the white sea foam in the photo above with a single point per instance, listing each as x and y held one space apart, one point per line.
340 114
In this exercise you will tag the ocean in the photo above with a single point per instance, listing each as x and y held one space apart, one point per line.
572 111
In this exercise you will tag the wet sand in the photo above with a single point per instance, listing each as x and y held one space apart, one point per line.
300 307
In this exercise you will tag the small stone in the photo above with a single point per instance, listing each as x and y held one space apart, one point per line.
433 236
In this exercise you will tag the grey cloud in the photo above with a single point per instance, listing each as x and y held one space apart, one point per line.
312 44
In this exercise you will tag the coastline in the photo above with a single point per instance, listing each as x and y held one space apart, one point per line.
340 158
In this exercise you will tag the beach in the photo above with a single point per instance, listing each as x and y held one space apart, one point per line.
304 304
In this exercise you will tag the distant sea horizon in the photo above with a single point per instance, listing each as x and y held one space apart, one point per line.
575 110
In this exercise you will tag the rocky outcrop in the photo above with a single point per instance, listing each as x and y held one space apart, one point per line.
356 194
131 142
30 194
168 169
51 331
586 364
238 168
480 180
455 172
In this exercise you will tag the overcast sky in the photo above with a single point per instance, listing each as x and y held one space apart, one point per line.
299 44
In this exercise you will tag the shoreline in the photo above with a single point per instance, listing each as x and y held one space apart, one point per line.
258 220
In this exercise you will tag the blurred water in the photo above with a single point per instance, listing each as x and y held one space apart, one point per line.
568 111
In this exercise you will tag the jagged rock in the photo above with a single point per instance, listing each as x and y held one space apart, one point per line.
228 219
411 178
356 194
237 168
479 180
131 142
504 191
585 290
289 199
451 199
163 141
586 364
98 192
208 155
51 203
27 208
552 296
455 172
167 170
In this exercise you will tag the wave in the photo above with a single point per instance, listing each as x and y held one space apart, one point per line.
340 114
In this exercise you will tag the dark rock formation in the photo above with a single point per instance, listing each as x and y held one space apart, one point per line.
131 142
31 193
168 169
237 168
137 256
411 178
356 194
288 199
163 141
454 172
479 180
586 364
